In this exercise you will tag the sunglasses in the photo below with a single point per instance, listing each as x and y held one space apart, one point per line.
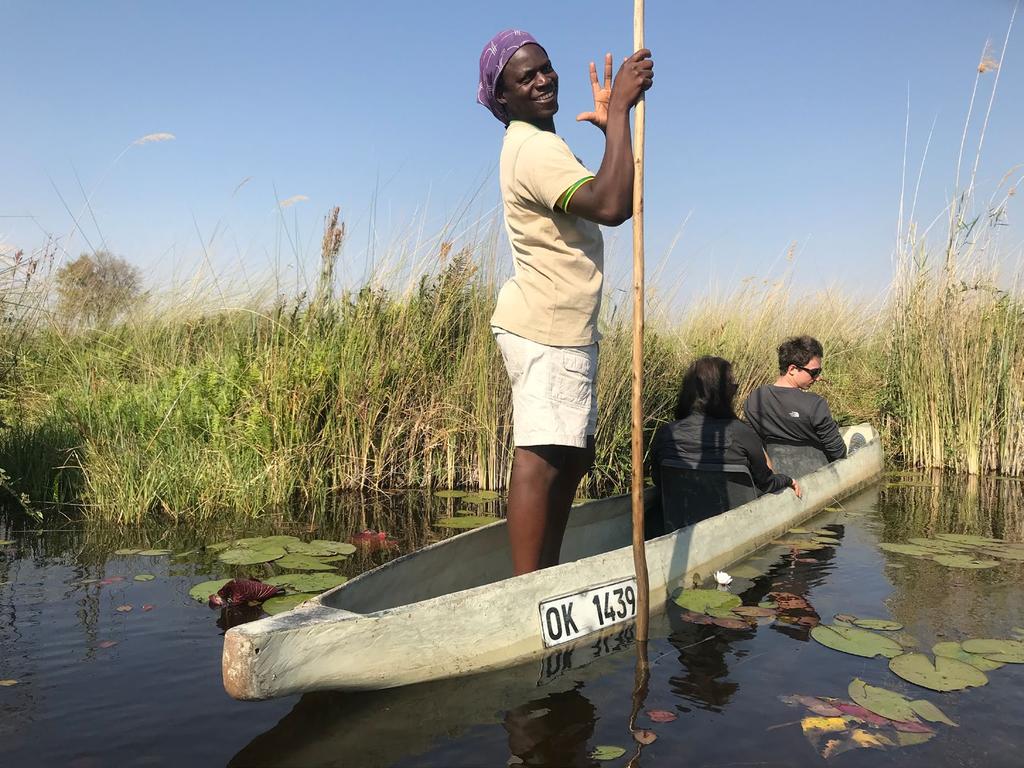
812 372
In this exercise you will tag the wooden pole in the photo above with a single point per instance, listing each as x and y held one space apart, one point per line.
639 553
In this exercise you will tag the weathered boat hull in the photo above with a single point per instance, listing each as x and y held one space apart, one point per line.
452 609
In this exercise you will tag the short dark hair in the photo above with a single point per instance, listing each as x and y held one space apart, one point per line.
708 387
798 351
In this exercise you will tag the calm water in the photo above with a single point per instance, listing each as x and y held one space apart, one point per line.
98 687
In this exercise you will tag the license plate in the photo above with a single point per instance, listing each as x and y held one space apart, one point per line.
573 616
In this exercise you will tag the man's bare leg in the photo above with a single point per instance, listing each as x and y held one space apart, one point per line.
541 490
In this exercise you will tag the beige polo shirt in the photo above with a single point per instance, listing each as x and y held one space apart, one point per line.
555 296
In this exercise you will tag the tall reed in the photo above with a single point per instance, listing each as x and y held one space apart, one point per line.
954 394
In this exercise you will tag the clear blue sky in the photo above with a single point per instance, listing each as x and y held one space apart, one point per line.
769 124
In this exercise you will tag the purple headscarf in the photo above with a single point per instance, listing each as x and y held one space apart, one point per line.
493 59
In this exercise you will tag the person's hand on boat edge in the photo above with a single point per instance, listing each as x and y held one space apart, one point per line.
796 489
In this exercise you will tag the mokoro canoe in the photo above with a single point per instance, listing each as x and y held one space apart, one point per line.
453 608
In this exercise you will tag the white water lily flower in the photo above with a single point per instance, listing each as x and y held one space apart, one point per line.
723 578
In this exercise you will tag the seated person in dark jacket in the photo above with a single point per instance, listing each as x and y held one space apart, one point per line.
706 430
786 412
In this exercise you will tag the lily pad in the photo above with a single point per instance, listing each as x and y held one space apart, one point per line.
706 600
341 547
252 542
605 752
746 572
333 559
143 577
828 541
928 711
154 552
955 651
217 547
886 625
937 547
661 715
286 602
856 641
912 739
1008 651
307 582
128 551
246 556
942 674
814 704
311 549
964 561
202 592
283 580
1004 554
302 563
696 618
644 736
907 549
488 495
881 701
961 538
451 494
465 521
753 611
280 539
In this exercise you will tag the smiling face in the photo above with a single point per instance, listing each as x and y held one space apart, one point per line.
528 87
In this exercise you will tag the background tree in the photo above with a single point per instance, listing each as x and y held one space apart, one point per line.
95 289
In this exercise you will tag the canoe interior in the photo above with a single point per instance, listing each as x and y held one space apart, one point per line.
481 557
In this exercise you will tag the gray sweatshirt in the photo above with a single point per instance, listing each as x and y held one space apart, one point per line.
796 417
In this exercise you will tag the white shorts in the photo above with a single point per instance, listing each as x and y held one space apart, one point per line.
554 391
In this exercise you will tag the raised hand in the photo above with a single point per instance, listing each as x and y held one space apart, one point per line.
602 95
635 76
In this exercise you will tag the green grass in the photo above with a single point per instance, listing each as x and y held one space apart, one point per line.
250 412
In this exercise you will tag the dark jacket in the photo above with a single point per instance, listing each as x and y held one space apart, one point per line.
795 417
709 440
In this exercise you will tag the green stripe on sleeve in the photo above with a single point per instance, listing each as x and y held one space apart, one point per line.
563 201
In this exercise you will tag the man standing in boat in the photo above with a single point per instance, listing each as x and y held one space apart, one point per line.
545 322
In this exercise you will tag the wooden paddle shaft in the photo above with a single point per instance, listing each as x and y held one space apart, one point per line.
639 554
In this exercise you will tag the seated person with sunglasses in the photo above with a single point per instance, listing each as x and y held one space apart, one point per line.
786 412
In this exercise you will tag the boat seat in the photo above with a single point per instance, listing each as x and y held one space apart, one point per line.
795 460
691 492
857 441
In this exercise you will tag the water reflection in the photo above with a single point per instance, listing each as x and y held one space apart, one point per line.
542 708
942 603
724 683
552 731
702 679
234 615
